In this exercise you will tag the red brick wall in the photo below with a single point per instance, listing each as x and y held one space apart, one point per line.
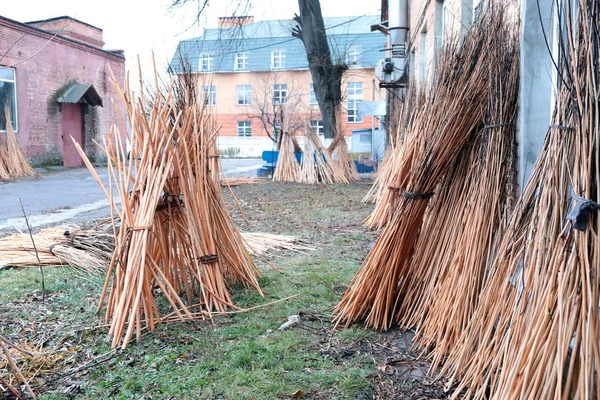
73 29
53 66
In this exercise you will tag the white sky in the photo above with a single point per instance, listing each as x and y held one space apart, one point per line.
140 26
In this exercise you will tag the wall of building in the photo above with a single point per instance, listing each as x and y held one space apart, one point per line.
299 109
44 69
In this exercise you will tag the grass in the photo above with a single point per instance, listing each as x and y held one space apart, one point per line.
237 356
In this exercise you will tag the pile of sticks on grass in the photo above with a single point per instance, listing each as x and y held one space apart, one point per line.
175 233
446 123
260 242
9 382
535 332
13 163
86 250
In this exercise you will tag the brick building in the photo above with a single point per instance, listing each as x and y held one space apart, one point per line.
251 71
54 74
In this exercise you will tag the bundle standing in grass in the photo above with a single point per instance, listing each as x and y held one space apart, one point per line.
339 151
535 332
441 291
175 235
317 165
445 123
13 163
287 167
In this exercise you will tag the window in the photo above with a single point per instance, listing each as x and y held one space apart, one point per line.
280 92
8 96
317 125
244 95
205 63
241 61
354 97
353 55
244 128
365 138
313 96
209 94
277 59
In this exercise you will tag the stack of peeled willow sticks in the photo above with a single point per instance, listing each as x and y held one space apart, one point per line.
402 115
535 332
447 121
175 233
86 250
317 166
287 167
13 163
441 287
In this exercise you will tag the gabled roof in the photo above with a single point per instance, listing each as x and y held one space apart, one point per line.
258 39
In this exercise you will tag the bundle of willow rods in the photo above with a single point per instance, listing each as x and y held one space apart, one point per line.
535 332
13 163
402 116
446 121
339 151
441 289
175 233
287 167
317 165
308 172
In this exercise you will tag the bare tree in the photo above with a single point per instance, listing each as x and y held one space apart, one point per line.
327 76
276 112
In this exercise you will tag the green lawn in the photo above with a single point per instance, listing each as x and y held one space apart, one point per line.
233 357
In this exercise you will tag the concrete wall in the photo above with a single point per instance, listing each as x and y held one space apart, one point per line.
537 77
44 69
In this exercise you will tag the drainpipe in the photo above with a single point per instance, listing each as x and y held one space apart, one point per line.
392 68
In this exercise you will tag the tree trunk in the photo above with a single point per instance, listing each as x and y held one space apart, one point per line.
326 76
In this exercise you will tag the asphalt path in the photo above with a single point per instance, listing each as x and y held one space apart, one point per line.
72 196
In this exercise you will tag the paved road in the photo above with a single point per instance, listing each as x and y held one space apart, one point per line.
73 195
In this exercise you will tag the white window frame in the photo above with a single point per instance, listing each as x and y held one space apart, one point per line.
353 56
317 125
205 57
209 94
241 61
244 128
280 93
354 96
14 107
244 95
278 59
312 96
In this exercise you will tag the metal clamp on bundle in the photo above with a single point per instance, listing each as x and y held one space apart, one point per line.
581 212
417 196
498 125
208 259
562 127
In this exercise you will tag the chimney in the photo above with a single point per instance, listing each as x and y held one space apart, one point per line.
233 22
72 29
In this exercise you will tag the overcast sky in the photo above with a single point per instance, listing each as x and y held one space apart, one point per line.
140 26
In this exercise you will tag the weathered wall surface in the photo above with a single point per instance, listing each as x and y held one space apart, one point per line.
44 68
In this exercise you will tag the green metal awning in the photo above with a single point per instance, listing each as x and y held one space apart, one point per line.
81 93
